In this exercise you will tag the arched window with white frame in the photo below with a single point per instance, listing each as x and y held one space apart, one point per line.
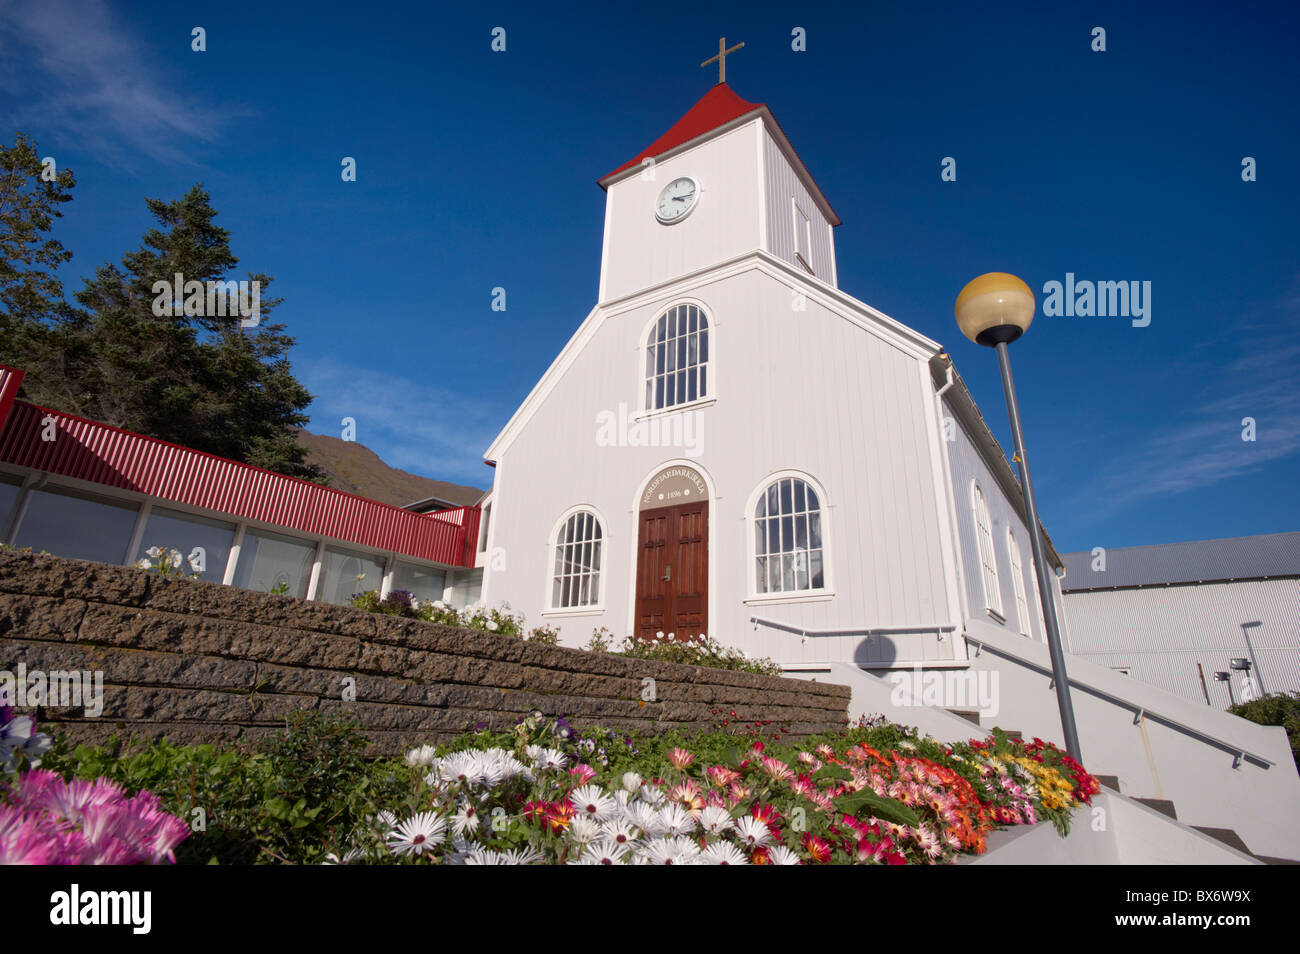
575 576
677 358
789 538
1018 581
988 558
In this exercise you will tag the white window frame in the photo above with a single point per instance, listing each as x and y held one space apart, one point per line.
988 555
1018 582
827 590
583 609
645 401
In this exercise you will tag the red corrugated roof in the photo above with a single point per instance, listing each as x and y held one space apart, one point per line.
10 379
718 107
101 454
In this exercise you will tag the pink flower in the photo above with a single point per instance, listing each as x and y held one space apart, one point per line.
582 774
680 758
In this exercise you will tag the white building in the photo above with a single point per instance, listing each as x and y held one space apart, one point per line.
1176 615
730 444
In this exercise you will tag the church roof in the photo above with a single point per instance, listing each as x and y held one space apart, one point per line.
718 107
721 107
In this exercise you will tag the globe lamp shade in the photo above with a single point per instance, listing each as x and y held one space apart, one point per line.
994 308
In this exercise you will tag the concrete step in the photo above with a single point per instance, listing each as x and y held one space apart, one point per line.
1110 781
1163 805
1225 835
970 715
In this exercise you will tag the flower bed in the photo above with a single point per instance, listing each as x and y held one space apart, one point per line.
548 794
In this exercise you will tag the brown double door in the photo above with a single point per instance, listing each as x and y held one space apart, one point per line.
672 586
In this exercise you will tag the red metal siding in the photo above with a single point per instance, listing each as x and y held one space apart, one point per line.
95 452
10 379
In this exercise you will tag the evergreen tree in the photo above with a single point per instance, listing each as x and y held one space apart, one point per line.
135 357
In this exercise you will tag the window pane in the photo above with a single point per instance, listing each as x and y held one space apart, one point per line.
268 560
812 499
185 532
760 570
9 487
799 503
801 532
815 530
704 346
787 503
787 572
422 582
339 571
815 560
760 538
77 527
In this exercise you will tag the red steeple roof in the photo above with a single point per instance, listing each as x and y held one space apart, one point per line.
718 107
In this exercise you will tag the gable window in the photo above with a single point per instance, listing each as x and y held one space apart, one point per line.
802 237
789 554
677 358
988 559
575 579
1018 581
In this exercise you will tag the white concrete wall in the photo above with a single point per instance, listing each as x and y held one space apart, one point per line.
1114 830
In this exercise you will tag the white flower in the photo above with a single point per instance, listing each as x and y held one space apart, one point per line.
605 853
145 565
348 857
193 562
583 829
521 856
174 556
644 817
723 853
465 821
752 832
676 820
439 604
618 830
424 755
551 759
418 834
781 855
631 781
484 856
154 552
591 800
715 820
669 851
492 626
385 821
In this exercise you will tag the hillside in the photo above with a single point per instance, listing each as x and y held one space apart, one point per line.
357 469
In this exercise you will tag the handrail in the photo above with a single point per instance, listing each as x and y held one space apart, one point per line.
940 629
1140 712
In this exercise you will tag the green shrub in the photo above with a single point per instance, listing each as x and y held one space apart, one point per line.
1278 708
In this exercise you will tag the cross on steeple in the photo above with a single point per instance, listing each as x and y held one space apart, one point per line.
722 58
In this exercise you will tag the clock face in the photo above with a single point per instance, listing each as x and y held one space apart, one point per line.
677 199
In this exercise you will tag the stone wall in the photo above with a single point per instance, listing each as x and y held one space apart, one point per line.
200 662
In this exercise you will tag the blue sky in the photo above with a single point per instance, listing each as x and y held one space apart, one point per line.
477 169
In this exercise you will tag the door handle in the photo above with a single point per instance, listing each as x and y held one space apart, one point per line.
668 573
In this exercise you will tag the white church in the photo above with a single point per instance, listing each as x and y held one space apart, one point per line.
731 445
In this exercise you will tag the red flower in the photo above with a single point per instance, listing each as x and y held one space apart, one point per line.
818 850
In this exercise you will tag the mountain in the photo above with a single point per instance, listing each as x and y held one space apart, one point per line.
358 470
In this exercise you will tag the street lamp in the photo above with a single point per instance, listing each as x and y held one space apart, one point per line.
1250 647
994 310
1226 677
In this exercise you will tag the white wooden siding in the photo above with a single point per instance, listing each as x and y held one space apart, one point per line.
785 190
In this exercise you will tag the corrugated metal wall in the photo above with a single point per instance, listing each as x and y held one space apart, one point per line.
1160 633
90 451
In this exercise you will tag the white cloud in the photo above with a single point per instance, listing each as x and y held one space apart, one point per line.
413 425
71 67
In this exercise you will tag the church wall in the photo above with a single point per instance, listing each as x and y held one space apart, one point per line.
806 391
641 252
783 186
968 465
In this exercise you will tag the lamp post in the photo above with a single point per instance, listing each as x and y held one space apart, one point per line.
1226 677
994 310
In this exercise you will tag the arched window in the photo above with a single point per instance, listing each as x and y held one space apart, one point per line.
988 559
677 358
789 554
1018 581
575 580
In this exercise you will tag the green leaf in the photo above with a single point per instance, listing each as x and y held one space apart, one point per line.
886 809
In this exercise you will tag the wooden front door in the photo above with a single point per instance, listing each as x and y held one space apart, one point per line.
672 588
